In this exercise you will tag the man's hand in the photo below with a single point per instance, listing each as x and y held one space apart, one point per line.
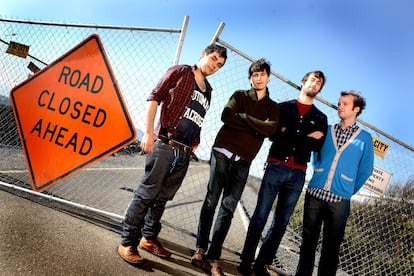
316 134
147 143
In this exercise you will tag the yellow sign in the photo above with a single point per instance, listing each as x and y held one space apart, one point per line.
18 49
380 147
33 67
71 114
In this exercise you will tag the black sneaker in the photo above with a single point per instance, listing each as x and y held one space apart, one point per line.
261 271
244 269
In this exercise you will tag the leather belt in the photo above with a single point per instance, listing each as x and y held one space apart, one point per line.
182 147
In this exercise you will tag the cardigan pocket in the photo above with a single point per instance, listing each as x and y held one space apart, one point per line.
347 178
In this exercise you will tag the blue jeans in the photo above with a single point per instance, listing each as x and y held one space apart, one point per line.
227 176
158 185
334 217
287 184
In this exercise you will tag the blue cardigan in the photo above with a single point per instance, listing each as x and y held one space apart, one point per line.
343 171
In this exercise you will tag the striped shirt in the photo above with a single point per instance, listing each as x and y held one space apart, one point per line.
342 136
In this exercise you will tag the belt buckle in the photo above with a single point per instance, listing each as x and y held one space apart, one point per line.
172 143
163 140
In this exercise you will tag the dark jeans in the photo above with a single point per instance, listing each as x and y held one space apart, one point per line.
287 184
334 217
158 185
227 176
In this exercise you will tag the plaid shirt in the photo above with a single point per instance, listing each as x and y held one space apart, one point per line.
174 91
342 136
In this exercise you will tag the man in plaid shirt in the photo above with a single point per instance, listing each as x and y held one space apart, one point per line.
184 95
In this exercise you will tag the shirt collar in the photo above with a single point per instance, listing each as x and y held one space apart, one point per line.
253 95
352 127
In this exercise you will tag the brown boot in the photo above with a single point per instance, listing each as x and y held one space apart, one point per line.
154 247
129 254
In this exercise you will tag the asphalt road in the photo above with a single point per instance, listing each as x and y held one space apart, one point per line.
38 240
39 236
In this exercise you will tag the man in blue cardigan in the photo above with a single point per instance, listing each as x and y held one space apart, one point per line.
341 167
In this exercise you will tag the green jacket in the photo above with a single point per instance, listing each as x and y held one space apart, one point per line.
247 121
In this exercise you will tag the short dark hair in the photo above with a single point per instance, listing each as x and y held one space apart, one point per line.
222 51
319 74
259 66
359 101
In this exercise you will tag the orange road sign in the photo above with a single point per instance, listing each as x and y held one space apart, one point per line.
71 114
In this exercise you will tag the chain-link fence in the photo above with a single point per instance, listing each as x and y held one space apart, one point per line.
379 237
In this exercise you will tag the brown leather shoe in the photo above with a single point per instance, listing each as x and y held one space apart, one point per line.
130 254
154 247
216 270
197 258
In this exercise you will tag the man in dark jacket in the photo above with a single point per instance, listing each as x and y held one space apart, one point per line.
249 116
302 129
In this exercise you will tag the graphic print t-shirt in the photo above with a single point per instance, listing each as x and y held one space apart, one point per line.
190 125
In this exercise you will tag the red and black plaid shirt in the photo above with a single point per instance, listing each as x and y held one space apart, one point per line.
173 92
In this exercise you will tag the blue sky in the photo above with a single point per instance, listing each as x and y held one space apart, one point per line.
363 45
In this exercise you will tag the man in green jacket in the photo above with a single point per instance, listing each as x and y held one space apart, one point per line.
249 116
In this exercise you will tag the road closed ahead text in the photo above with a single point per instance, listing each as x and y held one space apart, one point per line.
85 113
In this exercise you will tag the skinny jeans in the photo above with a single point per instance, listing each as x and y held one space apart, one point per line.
227 178
285 183
333 216
159 184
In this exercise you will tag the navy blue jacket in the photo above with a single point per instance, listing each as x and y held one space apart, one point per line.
294 140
